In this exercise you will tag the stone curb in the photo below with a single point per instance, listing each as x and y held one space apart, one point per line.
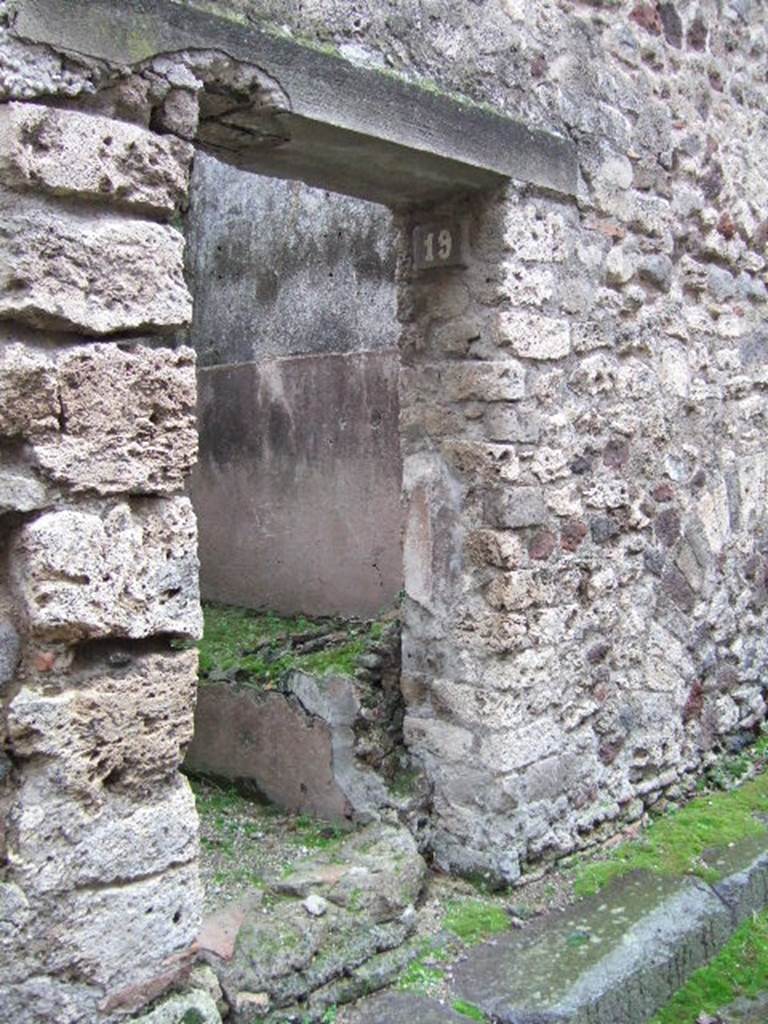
650 962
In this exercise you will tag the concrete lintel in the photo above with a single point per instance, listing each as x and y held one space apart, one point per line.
352 129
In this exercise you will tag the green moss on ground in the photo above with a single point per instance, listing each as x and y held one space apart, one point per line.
674 844
740 969
257 646
475 920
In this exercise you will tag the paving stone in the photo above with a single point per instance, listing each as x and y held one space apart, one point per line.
404 1008
616 956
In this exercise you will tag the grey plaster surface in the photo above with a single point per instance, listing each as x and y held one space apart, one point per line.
297 488
348 127
281 269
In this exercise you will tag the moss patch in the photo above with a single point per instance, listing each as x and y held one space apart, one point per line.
673 845
740 969
259 648
474 920
469 1010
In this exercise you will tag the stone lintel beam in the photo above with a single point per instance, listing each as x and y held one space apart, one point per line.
356 130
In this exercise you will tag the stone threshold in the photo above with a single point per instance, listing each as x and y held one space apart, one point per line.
613 958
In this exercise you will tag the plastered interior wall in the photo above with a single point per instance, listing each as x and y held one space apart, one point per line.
298 482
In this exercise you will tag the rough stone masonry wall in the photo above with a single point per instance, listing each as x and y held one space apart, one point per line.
584 414
99 894
584 429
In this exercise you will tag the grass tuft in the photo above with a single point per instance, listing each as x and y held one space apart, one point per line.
475 920
739 969
673 845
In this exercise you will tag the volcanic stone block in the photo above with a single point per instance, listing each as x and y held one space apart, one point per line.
153 919
72 154
534 336
488 382
28 401
515 507
76 272
10 649
128 420
59 844
20 492
123 728
129 571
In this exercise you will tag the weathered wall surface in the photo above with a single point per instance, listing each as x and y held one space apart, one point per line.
297 489
298 484
584 418
583 424
280 269
99 894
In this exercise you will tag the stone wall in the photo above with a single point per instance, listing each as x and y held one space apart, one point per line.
583 416
99 894
297 487
584 442
583 423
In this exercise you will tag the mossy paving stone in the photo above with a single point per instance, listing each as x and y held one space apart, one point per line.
742 869
613 958
403 1008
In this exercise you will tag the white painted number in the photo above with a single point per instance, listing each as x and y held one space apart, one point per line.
444 245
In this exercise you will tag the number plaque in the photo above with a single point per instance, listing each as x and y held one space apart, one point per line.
440 244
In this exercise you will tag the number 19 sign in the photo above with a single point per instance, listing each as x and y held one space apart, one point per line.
437 245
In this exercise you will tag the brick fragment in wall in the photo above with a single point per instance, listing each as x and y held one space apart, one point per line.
128 420
59 844
92 274
123 571
533 336
67 153
120 730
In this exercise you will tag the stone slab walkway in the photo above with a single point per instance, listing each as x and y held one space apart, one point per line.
614 958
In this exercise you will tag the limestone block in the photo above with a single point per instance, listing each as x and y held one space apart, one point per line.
445 741
28 400
20 492
515 507
487 461
191 1006
72 154
10 650
494 547
534 336
120 730
58 844
120 935
128 420
484 381
129 572
532 234
510 750
515 591
98 275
